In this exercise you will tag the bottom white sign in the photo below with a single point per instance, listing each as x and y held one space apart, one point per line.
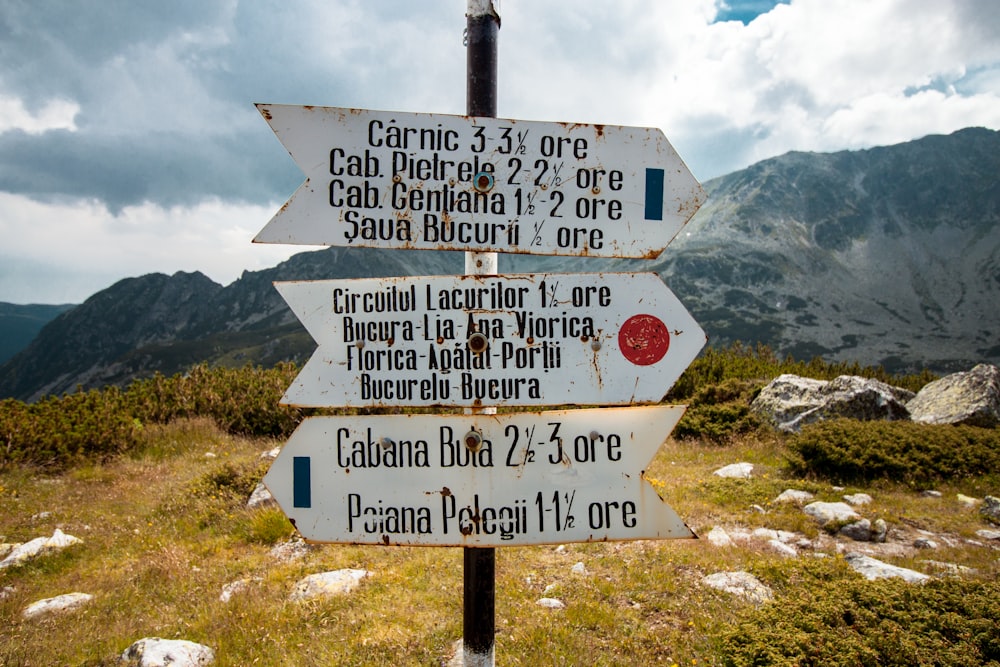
477 480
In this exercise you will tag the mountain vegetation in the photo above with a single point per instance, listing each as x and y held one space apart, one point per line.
888 256
155 487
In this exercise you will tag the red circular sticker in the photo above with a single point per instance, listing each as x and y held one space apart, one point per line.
644 339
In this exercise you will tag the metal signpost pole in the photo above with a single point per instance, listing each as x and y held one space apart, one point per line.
479 566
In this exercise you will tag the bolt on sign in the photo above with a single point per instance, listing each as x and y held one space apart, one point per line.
471 341
431 181
477 480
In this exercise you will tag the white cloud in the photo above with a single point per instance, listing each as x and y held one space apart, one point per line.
87 248
824 75
159 103
56 114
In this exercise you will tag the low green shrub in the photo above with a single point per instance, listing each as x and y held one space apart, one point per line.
718 411
58 432
242 401
266 526
741 362
93 426
824 619
216 495
851 451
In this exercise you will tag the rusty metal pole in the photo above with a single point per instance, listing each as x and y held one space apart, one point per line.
479 567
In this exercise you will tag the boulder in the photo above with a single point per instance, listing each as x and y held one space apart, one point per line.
782 548
261 497
827 513
790 402
66 602
551 603
858 499
22 553
337 582
871 569
735 471
970 397
156 652
793 496
991 509
294 549
880 531
235 587
859 531
718 537
743 584
968 501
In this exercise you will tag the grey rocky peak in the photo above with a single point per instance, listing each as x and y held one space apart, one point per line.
847 256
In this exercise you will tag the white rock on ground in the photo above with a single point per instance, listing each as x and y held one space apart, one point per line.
337 582
66 602
718 537
871 569
36 547
831 512
858 499
261 497
156 652
793 496
743 584
736 471
292 550
782 548
235 587
551 603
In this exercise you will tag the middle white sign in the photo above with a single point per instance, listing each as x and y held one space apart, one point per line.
471 341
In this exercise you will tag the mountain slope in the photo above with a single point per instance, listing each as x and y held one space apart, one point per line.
19 324
884 256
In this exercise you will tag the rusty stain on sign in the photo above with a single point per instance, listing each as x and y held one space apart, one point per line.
432 181
469 341
535 478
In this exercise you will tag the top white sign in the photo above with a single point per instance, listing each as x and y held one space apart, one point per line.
436 182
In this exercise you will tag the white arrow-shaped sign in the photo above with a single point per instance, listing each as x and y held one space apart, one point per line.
528 478
531 339
429 181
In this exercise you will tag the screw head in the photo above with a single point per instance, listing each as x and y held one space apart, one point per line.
478 343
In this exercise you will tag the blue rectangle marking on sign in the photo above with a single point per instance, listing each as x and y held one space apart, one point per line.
301 482
654 194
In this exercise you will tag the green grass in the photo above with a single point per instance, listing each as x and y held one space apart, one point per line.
165 528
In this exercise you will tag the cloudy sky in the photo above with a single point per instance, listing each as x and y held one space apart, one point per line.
129 142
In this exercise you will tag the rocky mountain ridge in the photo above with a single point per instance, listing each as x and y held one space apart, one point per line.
884 256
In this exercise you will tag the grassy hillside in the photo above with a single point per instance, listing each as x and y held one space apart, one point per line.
165 527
